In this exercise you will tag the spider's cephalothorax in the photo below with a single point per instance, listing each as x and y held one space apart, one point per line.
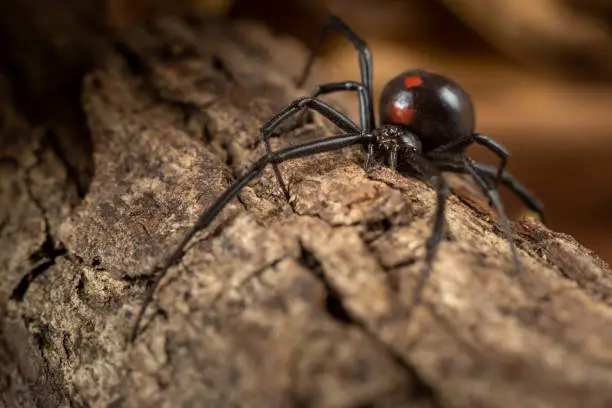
431 105
394 145
426 124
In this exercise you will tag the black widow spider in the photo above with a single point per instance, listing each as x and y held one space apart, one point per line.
427 122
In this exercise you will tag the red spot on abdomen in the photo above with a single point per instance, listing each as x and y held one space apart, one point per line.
412 81
402 115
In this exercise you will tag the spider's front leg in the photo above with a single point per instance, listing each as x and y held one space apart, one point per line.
345 86
317 105
365 103
365 107
208 216
335 23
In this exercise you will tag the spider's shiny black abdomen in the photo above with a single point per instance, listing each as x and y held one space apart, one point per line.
431 105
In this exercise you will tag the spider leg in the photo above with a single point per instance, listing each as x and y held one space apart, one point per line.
365 107
518 189
369 155
334 115
364 100
508 180
493 195
206 218
497 148
451 147
483 140
393 158
427 169
330 88
365 56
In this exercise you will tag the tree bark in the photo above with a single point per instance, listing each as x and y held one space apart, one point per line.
299 303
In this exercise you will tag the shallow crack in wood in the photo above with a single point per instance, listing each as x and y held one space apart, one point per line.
299 303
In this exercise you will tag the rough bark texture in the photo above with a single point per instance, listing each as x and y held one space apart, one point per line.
303 303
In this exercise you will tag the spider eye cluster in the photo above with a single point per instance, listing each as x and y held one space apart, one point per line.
394 140
433 106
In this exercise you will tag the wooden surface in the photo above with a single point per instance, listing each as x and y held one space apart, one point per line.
281 304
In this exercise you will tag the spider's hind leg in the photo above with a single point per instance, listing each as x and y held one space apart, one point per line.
493 195
517 188
446 151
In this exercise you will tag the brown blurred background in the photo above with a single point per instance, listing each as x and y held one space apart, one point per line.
539 71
